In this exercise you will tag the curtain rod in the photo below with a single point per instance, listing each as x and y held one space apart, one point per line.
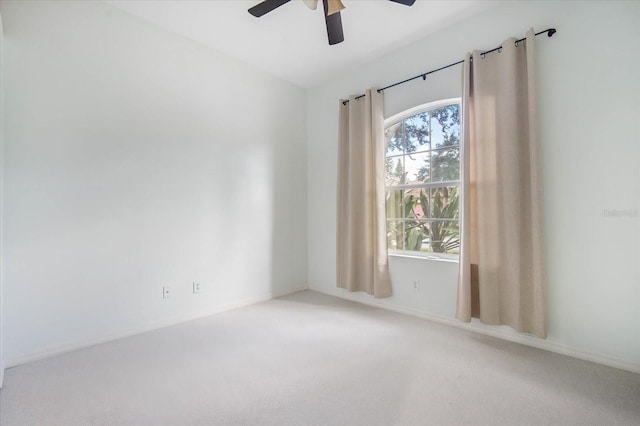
549 32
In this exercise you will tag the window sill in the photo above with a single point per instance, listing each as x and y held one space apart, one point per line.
430 257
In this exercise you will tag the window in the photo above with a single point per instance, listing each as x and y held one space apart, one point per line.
423 179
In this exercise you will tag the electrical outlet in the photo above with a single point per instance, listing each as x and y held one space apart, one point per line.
166 292
196 287
416 285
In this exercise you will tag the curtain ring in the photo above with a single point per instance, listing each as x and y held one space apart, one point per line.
516 43
482 55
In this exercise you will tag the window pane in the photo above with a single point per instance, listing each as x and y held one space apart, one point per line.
426 242
417 167
416 130
444 236
423 149
445 126
394 204
416 235
395 235
417 232
444 203
444 230
415 200
394 170
394 139
445 164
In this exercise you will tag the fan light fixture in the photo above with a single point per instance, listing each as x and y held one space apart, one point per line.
333 7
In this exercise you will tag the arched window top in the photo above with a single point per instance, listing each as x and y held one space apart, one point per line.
420 109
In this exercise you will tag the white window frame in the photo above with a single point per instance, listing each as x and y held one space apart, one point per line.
446 257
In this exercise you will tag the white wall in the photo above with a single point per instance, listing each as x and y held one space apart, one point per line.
134 159
589 107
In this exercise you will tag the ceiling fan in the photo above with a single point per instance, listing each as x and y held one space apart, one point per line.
332 10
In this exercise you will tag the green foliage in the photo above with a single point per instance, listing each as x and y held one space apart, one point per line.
442 234
394 173
414 230
410 135
445 156
395 238
447 116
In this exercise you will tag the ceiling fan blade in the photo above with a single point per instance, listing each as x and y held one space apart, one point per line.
266 6
334 6
334 25
405 2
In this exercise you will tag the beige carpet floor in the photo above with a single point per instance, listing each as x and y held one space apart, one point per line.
310 359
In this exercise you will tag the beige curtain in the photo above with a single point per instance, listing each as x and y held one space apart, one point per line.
362 259
501 264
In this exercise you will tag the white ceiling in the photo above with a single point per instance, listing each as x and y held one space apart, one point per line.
291 41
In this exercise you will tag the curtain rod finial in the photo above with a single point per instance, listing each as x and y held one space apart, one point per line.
551 31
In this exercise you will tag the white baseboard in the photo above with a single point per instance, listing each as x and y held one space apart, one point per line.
165 322
493 331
